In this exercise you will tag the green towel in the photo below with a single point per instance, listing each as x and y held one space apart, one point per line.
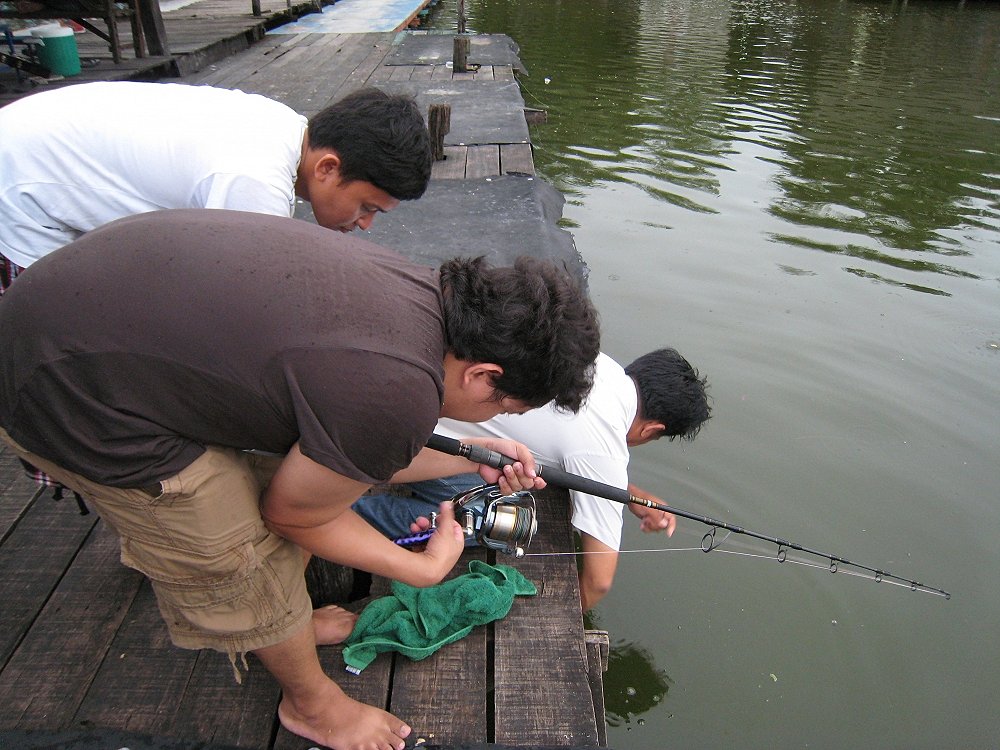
417 622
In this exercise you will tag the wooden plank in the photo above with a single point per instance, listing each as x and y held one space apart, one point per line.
598 646
17 492
448 690
214 708
400 72
281 78
226 75
503 73
541 658
516 158
483 161
422 73
33 558
377 47
139 685
46 679
381 74
442 73
453 165
182 694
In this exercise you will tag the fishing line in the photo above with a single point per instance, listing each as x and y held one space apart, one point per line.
756 555
564 479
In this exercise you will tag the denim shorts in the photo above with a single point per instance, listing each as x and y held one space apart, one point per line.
222 580
392 514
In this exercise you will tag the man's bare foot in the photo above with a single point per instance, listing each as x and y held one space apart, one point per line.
332 624
343 723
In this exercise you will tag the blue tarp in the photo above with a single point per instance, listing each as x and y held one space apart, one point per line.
355 17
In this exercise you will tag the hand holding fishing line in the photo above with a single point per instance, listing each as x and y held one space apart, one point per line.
651 520
564 479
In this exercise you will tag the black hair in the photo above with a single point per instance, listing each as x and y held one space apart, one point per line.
380 138
672 392
534 319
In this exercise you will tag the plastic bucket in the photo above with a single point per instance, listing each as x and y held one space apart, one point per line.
58 50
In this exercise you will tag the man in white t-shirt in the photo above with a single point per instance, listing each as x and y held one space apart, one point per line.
75 158
659 394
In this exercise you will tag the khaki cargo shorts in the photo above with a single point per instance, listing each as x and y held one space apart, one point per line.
222 580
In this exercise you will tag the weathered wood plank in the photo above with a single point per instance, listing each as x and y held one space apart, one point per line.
448 690
47 677
214 708
400 72
422 73
442 73
16 491
503 73
453 165
141 647
516 158
225 75
541 657
483 161
33 558
598 646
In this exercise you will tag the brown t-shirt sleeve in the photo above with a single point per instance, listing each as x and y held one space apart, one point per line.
362 414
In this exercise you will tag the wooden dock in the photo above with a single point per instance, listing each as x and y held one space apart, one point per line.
196 35
83 652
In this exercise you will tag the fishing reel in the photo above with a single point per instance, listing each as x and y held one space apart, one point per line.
501 522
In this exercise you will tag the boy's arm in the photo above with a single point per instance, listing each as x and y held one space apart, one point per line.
597 570
309 504
433 464
652 520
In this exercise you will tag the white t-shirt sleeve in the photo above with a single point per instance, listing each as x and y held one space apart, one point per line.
596 516
243 192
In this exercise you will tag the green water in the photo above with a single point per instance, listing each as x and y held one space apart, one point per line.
802 197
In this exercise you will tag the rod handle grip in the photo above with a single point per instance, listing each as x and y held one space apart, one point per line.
551 474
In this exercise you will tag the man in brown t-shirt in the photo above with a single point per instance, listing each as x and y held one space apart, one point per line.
149 364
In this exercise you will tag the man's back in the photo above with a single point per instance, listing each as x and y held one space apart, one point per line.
126 352
78 157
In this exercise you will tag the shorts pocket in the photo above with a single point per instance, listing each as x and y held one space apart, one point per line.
234 593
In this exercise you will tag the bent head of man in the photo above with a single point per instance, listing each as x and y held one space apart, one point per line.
518 337
673 398
362 156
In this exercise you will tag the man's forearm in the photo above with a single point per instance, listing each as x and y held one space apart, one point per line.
597 571
432 464
350 540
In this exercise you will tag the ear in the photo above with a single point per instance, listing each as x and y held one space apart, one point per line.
327 166
651 430
481 374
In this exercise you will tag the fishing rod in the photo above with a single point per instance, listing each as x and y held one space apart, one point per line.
559 478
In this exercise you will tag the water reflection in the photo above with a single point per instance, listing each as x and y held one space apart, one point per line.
804 194
632 685
870 127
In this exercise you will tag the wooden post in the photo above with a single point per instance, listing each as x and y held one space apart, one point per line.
151 20
439 124
460 57
461 16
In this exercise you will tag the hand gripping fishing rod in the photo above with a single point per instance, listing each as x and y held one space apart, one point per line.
564 479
